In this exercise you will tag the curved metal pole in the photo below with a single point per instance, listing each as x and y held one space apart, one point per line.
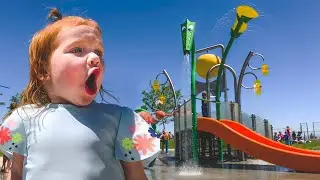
158 76
208 83
253 74
242 73
168 79
256 54
206 49
172 88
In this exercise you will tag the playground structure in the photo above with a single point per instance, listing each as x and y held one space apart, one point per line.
208 67
232 131
229 124
208 143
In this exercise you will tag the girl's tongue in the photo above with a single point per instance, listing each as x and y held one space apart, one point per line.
91 83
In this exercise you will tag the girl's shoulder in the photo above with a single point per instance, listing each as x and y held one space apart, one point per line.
111 109
24 112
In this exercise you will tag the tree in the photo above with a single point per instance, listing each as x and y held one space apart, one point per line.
151 97
14 102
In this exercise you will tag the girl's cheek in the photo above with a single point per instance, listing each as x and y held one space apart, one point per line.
72 74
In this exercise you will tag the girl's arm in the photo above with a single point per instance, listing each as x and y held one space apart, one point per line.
17 166
133 170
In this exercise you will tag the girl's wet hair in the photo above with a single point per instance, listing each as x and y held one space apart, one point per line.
42 44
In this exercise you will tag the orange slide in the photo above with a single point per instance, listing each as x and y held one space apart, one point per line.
246 140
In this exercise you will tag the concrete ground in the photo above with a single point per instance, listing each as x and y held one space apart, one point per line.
252 169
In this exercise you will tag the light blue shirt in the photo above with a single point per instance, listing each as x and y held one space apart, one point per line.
66 142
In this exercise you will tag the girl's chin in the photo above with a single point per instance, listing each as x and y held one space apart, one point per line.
85 101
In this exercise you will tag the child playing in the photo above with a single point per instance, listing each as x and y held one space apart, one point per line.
287 136
59 132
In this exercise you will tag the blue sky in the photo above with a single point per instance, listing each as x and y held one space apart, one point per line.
143 37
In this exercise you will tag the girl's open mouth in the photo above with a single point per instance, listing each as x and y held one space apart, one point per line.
91 83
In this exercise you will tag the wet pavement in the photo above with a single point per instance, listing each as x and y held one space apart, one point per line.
174 173
165 169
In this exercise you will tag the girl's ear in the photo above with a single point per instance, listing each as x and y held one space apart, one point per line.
44 73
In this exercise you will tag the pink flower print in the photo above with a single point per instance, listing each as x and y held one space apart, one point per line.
4 135
143 144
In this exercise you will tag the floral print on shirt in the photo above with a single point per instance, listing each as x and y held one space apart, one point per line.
137 139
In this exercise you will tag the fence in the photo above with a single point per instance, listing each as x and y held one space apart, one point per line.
258 124
316 129
252 121
207 142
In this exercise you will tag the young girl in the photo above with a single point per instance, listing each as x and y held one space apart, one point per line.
60 132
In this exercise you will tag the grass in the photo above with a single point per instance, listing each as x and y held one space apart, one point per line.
171 144
313 145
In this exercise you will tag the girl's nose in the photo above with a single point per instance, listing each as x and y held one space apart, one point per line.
93 59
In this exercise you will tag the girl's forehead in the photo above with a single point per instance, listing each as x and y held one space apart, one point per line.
79 33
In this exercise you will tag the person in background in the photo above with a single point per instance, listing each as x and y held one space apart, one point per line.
294 136
162 141
280 136
299 136
204 105
165 136
171 135
166 141
275 136
287 136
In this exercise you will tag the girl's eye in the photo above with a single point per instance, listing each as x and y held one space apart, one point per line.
77 50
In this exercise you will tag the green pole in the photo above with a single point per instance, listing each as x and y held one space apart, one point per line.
187 34
194 106
234 35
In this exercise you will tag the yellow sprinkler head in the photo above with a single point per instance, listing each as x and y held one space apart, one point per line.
265 69
247 11
156 85
257 87
162 99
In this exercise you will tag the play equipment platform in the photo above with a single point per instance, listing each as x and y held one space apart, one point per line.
246 140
